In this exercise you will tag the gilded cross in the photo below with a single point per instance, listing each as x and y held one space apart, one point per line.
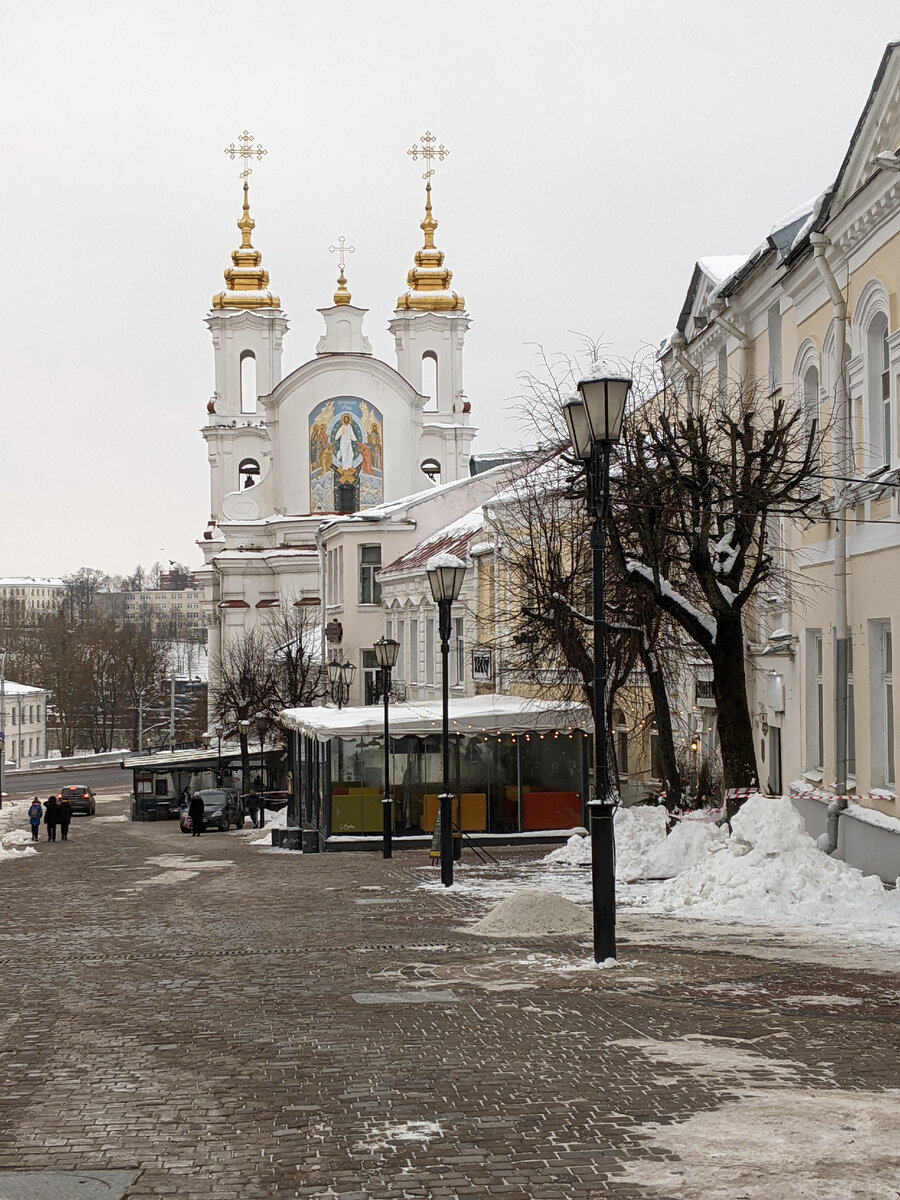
245 151
429 152
341 249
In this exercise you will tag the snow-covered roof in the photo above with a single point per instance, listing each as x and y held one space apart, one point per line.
21 689
453 539
29 581
470 715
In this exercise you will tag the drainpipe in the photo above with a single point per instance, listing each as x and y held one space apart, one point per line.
743 340
828 840
678 343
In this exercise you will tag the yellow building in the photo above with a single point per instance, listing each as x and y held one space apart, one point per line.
814 313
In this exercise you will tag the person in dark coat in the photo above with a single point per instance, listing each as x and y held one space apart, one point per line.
51 817
195 810
253 806
35 813
64 812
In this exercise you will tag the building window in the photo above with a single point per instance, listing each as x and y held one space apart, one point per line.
413 651
248 473
401 652
371 678
457 653
881 717
774 347
722 367
248 382
13 716
429 650
887 692
37 746
878 386
815 701
851 713
369 566
704 690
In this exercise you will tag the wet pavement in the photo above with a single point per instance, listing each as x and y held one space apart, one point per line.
225 1023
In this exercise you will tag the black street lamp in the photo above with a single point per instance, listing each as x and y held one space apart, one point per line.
445 575
386 651
340 676
594 420
218 732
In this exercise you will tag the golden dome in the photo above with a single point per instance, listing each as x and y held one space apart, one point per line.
246 282
428 283
342 296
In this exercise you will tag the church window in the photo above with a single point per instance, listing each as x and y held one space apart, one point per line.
430 379
248 382
432 468
248 472
369 566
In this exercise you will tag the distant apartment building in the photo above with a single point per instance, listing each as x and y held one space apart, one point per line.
23 722
166 610
30 597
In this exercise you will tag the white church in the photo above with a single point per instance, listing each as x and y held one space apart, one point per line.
319 478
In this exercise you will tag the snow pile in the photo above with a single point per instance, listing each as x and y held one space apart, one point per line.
575 853
770 870
276 820
639 831
686 845
15 837
533 914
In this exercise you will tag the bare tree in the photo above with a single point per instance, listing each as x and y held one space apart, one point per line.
246 684
698 478
293 634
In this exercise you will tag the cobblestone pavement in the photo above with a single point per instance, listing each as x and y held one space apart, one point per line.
233 1023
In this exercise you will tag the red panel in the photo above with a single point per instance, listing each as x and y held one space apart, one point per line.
551 810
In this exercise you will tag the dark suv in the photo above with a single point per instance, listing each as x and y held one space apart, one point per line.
81 798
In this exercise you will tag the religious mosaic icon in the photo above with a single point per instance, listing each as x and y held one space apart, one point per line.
346 455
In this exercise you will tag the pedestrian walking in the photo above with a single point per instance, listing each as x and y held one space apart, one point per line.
35 812
253 806
195 810
64 812
51 817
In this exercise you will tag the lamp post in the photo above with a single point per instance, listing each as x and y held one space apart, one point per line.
386 651
218 732
340 676
244 734
594 420
445 575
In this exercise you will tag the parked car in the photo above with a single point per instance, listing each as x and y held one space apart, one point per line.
222 808
81 798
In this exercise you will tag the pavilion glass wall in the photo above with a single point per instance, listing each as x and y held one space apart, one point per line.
505 783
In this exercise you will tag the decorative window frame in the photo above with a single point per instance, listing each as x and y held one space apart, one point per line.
873 302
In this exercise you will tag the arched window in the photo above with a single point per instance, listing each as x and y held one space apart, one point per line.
430 379
810 394
248 382
878 390
248 473
432 468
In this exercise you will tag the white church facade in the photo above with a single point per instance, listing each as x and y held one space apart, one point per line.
344 459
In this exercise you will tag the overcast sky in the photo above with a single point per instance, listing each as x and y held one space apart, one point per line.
597 150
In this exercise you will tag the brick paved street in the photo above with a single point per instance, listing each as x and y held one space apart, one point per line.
246 1024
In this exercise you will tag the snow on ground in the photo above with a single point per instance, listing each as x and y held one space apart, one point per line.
15 831
768 873
274 820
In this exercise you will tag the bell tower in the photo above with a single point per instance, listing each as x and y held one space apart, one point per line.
429 328
247 326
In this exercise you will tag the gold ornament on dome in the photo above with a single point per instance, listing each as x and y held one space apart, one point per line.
246 281
342 296
428 282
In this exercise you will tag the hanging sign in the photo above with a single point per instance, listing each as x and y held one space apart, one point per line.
482 664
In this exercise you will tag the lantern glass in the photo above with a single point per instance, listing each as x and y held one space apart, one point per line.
577 424
604 403
348 670
446 579
386 651
334 671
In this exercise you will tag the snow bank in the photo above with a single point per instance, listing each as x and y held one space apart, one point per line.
688 843
533 914
639 830
770 871
575 853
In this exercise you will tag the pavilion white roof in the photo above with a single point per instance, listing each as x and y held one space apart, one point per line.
470 715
